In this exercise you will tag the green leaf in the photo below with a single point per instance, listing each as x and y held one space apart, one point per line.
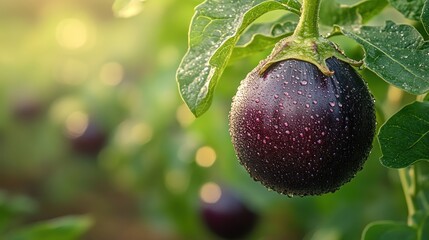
387 230
215 29
404 138
14 206
263 36
410 9
371 8
64 228
423 228
331 12
127 8
425 16
396 53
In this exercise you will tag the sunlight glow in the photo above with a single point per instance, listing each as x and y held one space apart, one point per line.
72 33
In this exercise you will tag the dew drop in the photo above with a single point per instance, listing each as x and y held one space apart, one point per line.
303 82
307 105
276 96
332 104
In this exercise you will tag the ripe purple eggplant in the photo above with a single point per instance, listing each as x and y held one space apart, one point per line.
229 217
91 142
300 132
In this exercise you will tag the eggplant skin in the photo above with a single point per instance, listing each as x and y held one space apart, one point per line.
300 132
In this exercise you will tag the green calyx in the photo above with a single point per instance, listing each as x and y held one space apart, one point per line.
315 50
306 44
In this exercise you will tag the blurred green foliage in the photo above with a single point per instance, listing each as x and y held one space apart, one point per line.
69 64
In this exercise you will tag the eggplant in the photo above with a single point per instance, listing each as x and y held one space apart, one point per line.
300 132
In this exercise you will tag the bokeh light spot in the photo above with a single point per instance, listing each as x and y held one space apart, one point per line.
141 133
184 116
62 108
72 33
210 193
205 156
76 124
132 8
112 73
131 133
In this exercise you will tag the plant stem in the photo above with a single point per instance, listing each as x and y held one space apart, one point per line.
409 190
308 22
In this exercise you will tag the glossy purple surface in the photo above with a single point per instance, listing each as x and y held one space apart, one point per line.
299 132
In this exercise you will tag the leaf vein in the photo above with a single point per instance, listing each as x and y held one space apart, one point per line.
389 56
418 140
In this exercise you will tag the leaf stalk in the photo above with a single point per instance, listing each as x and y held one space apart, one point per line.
308 23
408 182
